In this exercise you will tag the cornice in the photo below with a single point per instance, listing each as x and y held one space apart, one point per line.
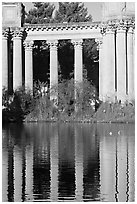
62 26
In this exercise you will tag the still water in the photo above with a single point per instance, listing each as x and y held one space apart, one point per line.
68 162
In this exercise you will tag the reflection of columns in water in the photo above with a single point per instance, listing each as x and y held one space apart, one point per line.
29 173
107 170
131 168
17 174
78 164
122 161
10 171
4 175
54 162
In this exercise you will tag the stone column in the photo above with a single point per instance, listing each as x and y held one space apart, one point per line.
130 64
17 59
101 71
28 65
107 80
5 59
53 66
121 63
78 60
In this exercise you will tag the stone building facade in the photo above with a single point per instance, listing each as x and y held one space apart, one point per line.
115 36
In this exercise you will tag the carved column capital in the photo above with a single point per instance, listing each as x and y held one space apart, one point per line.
99 42
18 33
121 26
5 33
52 43
28 45
77 42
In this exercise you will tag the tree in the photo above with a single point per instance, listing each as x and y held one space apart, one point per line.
72 12
41 13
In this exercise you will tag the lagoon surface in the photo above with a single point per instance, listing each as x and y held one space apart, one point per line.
68 162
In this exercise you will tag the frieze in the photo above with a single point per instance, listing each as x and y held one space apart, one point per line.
62 26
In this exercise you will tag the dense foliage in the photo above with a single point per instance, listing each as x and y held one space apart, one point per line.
72 12
41 13
80 104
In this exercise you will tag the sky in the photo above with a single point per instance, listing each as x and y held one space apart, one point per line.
94 8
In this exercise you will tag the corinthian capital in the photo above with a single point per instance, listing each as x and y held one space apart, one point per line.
52 43
77 42
99 43
28 45
5 33
18 33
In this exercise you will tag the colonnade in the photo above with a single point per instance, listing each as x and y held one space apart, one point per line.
116 64
28 45
116 61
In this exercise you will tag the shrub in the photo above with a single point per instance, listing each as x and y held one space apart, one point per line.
17 105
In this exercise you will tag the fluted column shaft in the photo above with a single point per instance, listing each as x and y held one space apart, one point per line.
28 65
17 59
53 67
107 74
53 62
130 64
5 59
78 60
121 63
101 67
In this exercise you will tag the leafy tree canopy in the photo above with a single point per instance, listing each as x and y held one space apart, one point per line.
72 12
41 13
